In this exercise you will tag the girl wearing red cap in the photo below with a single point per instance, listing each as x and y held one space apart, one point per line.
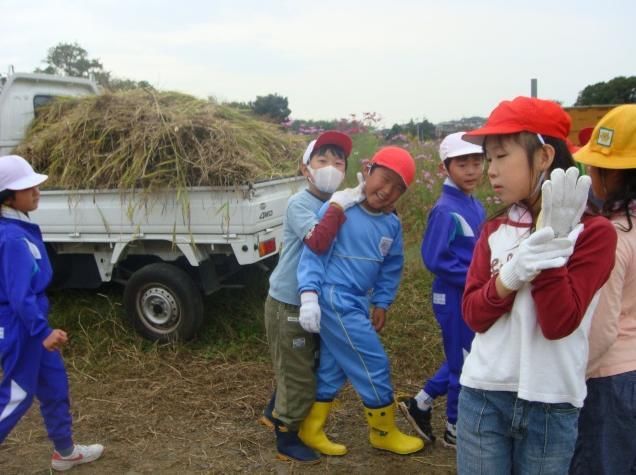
530 293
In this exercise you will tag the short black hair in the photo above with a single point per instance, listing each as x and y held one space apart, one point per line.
334 149
5 195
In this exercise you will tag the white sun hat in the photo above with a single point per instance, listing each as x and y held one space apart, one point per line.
454 146
16 174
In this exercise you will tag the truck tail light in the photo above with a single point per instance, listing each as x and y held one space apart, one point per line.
267 247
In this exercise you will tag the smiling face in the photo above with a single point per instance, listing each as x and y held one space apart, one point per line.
383 187
466 171
25 200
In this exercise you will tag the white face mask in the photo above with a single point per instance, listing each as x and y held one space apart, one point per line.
326 179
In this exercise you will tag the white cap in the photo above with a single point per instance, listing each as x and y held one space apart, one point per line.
16 174
308 150
454 146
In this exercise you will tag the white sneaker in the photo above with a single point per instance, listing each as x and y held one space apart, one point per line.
81 454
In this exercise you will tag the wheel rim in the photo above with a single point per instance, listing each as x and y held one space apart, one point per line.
159 309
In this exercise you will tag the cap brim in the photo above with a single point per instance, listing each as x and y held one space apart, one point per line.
333 137
27 182
477 136
587 156
469 149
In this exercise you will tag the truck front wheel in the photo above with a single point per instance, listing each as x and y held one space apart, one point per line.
163 303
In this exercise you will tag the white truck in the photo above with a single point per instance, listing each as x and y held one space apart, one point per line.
167 252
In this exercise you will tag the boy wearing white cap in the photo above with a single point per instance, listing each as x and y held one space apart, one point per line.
447 248
31 364
293 350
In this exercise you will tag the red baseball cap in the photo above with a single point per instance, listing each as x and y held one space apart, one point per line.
398 160
524 114
330 137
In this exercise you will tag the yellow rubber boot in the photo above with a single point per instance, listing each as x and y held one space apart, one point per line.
312 432
385 435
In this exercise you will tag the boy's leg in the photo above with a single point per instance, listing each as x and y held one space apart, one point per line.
330 377
457 339
293 356
53 393
346 331
437 385
20 356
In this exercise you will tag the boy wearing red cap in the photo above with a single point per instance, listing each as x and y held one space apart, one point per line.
531 290
292 348
363 265
452 229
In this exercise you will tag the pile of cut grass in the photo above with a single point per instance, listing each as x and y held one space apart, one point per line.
152 140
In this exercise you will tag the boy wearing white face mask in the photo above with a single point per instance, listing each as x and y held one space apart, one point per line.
293 349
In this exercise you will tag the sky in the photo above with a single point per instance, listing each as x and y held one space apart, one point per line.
402 59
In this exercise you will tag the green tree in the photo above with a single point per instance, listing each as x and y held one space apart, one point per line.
620 90
272 106
70 59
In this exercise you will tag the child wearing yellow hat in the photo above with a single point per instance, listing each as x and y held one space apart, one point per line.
606 441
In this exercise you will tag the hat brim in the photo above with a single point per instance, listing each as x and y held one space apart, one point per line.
477 136
595 158
27 182
333 137
469 149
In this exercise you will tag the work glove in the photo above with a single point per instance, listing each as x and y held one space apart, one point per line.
309 317
563 200
539 252
349 196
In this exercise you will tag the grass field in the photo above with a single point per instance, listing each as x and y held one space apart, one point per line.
192 407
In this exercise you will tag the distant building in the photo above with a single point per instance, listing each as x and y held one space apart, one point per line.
466 123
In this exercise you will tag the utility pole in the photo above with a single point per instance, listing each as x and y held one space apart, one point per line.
533 87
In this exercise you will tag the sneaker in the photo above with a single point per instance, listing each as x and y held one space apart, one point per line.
450 436
81 454
419 419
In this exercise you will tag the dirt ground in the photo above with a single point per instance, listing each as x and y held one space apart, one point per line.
182 414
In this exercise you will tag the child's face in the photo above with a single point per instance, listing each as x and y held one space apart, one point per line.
383 187
466 171
321 161
25 200
510 175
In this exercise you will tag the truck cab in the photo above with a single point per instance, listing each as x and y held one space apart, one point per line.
21 94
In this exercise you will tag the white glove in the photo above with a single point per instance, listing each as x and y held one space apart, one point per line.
539 252
349 196
563 200
309 317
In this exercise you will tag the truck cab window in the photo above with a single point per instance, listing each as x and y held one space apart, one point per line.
40 100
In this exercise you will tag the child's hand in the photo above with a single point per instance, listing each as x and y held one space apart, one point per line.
55 340
378 317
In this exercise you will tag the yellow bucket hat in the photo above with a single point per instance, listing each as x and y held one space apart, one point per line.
613 141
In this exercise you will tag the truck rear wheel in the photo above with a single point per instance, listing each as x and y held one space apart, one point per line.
163 303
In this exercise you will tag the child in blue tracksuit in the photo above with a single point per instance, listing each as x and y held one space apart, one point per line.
363 265
31 363
447 248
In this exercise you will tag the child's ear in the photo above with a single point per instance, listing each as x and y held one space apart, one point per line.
546 157
442 169
366 167
304 171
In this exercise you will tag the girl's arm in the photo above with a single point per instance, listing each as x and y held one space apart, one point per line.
563 295
481 305
605 324
322 234
18 266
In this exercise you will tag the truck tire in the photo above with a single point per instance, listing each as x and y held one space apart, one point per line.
163 303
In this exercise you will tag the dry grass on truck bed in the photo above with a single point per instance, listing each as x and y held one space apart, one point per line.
150 140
